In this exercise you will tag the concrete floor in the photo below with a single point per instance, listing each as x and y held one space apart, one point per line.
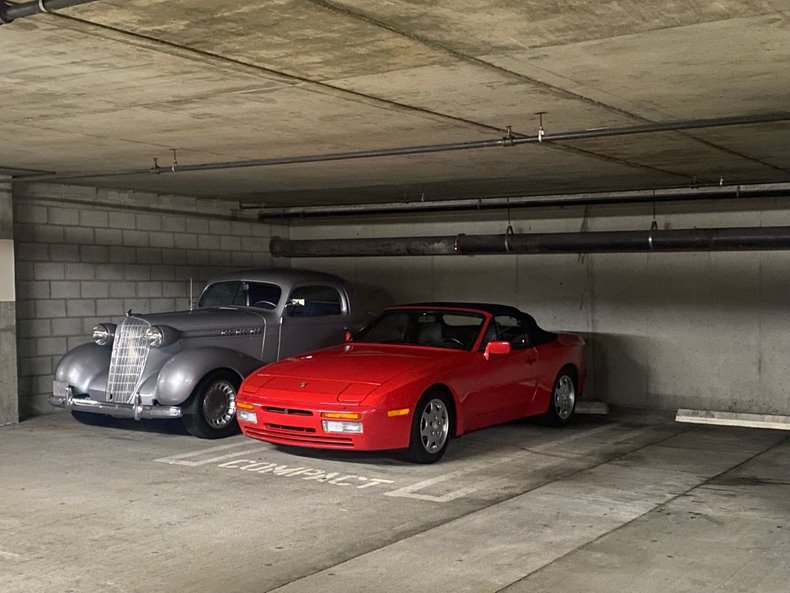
624 503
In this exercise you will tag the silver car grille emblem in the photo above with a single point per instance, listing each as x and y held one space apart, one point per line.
129 355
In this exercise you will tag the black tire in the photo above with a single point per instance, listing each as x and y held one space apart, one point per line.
92 419
431 428
563 398
210 412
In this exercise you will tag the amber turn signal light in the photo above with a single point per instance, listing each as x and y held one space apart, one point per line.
341 415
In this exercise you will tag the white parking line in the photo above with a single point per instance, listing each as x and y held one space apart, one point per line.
179 459
413 490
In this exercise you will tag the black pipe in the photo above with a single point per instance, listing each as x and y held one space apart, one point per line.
368 247
10 12
641 241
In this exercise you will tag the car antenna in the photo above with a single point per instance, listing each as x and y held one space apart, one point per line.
191 301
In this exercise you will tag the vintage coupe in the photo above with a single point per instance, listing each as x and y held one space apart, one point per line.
189 364
414 377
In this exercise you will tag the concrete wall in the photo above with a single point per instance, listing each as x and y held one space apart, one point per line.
8 363
699 330
84 256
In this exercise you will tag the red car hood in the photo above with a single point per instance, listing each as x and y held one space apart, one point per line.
345 373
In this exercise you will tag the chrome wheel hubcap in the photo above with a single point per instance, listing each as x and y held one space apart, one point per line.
564 397
219 405
434 426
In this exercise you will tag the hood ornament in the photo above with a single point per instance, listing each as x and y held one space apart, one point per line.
303 384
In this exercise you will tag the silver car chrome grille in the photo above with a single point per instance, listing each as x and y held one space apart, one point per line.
129 355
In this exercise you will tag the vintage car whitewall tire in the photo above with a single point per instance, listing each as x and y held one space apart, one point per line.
210 412
430 428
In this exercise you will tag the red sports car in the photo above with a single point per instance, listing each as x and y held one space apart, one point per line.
413 377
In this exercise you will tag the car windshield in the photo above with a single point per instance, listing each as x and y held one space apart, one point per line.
424 327
236 293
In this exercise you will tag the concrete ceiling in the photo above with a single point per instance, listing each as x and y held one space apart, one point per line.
109 86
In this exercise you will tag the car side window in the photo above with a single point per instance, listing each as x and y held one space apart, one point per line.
223 294
512 329
263 295
314 301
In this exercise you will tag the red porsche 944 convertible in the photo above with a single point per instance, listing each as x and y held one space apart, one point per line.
414 377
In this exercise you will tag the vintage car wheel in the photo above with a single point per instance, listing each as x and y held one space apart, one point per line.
430 428
563 398
211 411
92 419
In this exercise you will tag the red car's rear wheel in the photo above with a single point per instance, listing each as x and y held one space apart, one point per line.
563 398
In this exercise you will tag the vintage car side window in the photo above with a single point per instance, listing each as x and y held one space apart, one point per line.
512 329
223 294
241 294
263 295
314 301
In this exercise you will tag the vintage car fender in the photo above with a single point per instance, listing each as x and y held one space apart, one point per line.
181 374
85 367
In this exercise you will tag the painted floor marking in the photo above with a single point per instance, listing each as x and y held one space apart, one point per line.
180 459
413 490
237 453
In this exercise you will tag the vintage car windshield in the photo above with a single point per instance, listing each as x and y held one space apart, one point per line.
424 327
261 295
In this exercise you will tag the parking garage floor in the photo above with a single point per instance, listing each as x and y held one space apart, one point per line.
620 503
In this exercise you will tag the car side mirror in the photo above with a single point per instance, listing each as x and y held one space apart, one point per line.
496 348
348 336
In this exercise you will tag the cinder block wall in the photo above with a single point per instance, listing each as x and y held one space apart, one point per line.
665 330
84 256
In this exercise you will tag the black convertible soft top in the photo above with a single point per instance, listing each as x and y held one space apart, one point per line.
539 335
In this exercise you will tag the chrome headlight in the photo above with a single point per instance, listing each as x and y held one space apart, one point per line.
161 335
104 333
155 336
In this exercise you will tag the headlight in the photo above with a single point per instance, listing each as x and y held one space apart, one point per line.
161 335
104 333
336 426
155 336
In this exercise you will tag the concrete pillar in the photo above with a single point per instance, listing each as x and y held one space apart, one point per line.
9 399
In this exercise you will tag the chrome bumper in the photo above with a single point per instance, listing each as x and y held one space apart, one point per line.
134 410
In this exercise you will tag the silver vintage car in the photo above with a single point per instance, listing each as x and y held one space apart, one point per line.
189 364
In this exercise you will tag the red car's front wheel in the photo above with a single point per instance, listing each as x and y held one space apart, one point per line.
430 428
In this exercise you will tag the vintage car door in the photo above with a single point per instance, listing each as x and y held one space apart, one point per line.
315 317
507 382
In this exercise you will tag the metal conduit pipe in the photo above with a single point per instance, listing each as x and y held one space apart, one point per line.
507 140
640 241
673 194
10 12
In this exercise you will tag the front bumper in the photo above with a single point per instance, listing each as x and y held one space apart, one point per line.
65 399
304 429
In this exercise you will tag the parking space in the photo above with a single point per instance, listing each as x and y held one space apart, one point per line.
140 508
